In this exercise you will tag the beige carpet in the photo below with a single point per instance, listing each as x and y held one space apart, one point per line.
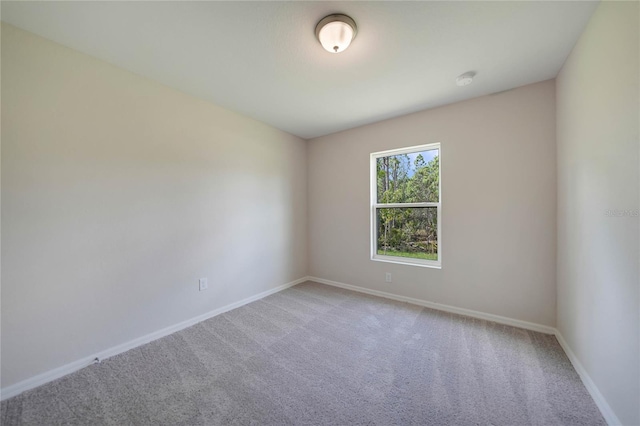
318 355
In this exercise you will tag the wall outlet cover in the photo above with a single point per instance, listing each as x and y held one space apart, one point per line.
203 284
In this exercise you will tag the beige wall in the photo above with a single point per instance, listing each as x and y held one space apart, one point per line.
598 256
498 204
118 194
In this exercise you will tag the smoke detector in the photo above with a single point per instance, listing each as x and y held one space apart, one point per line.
465 79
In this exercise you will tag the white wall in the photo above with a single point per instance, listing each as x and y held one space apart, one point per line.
498 204
598 162
118 193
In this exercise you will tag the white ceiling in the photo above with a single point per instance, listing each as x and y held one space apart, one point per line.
261 59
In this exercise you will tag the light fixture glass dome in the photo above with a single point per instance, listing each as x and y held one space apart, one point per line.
335 32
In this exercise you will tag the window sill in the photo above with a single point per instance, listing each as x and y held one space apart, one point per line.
407 261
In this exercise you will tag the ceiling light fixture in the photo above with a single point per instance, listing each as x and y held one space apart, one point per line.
335 32
465 79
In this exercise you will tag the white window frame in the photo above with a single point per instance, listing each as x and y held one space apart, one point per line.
375 206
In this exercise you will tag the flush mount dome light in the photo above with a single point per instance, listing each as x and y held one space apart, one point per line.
335 32
465 79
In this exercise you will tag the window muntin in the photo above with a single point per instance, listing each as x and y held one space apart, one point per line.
405 205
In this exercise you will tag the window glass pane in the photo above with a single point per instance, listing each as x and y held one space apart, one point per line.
408 232
408 178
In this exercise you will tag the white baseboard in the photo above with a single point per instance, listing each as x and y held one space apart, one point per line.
59 372
593 390
447 308
598 398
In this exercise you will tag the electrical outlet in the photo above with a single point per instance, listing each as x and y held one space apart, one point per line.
203 284
387 278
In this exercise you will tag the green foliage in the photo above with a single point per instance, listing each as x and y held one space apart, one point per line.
408 230
413 255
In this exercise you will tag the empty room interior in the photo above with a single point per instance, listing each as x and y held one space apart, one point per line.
320 213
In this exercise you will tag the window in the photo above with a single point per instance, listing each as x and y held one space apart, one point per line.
405 206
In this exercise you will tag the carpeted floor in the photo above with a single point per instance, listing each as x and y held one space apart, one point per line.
318 355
